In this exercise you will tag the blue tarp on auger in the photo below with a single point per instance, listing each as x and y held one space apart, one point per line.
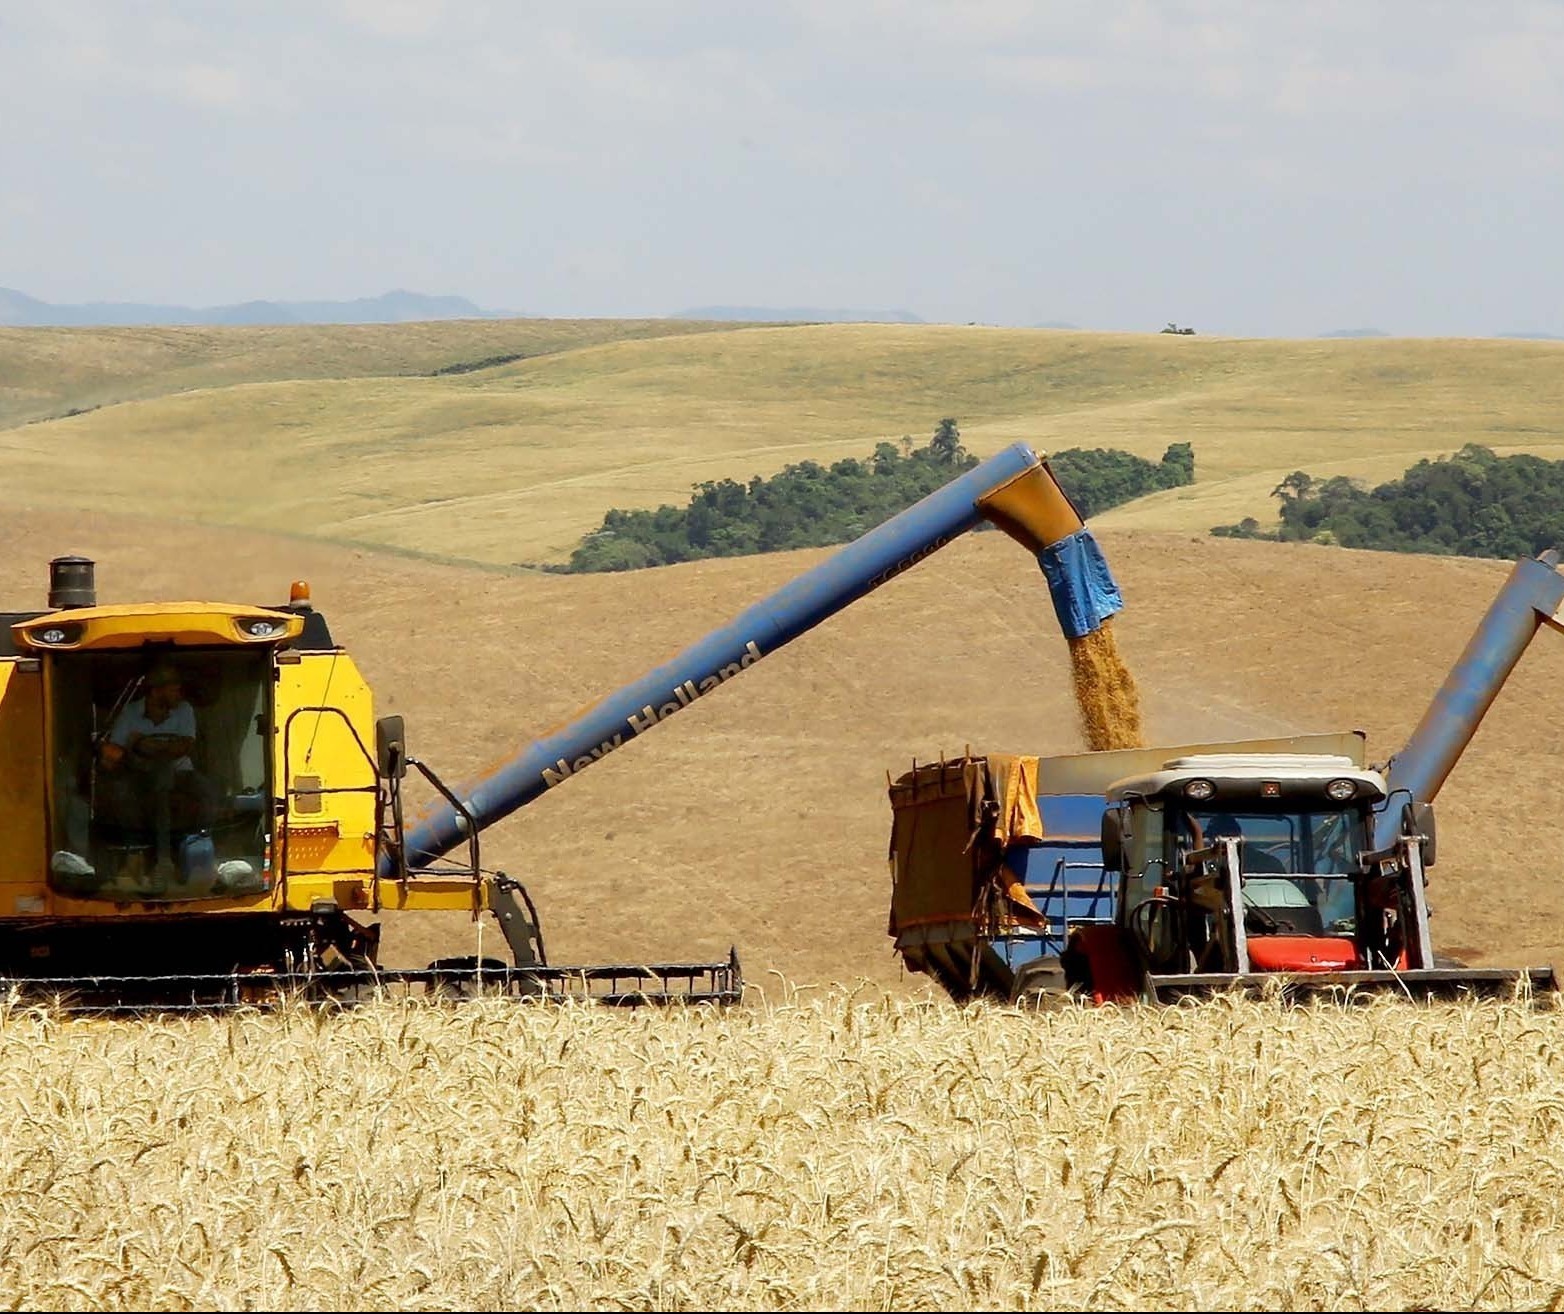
1083 589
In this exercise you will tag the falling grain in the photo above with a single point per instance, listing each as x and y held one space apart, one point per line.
1105 691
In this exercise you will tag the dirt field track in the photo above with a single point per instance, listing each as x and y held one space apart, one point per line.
758 817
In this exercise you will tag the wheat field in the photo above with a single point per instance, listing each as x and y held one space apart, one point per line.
831 1150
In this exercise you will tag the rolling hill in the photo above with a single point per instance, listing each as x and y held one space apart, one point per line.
47 372
324 432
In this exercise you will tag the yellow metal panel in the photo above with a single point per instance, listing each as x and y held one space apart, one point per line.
331 831
23 822
423 893
64 905
183 623
1032 509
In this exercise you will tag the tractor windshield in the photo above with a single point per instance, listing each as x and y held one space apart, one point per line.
161 773
1296 865
1293 843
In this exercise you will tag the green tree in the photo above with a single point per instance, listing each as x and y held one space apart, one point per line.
1474 503
945 446
811 505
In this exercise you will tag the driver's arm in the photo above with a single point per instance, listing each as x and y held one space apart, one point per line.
121 740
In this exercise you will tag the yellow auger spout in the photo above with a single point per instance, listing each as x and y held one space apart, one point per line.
1035 511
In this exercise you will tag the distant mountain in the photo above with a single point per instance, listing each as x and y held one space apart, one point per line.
1536 334
798 315
1356 333
19 310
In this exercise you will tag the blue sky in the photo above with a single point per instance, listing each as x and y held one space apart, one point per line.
1251 168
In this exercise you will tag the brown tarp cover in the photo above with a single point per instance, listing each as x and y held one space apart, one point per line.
952 823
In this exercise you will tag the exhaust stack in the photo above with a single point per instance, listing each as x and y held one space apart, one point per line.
72 583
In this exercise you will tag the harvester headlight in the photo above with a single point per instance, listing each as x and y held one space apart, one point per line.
1199 790
1339 791
262 628
56 635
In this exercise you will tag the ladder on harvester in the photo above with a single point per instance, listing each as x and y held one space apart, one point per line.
1065 879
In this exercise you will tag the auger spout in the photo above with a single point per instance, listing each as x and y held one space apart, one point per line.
1015 490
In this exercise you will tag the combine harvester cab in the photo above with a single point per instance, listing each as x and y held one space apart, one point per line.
1166 872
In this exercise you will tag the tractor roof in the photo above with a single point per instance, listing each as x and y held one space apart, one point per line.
1267 778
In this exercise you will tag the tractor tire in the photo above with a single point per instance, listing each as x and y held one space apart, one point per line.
1040 984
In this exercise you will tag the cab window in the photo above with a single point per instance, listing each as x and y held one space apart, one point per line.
161 773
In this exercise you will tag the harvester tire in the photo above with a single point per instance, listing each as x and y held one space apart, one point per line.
1040 984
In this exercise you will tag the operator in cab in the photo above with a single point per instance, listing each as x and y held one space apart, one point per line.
148 778
1225 826
1292 901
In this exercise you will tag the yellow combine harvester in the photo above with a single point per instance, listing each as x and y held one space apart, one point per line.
216 802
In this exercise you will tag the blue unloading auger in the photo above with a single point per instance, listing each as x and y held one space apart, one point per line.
1014 490
1531 597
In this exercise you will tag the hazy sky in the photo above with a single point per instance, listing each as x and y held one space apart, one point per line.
1244 167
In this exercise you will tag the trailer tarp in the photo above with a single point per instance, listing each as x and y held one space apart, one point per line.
952 823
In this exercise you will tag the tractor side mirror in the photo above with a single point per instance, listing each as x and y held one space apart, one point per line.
1112 841
390 748
1421 822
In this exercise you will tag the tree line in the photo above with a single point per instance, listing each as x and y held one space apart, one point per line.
1473 504
812 505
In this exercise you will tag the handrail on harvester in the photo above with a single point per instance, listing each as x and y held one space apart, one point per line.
1015 490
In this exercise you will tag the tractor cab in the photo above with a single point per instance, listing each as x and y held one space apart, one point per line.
1239 863
157 735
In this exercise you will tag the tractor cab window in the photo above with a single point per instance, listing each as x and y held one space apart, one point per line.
160 776
1296 865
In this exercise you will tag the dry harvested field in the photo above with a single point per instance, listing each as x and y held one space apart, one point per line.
823 1152
328 432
